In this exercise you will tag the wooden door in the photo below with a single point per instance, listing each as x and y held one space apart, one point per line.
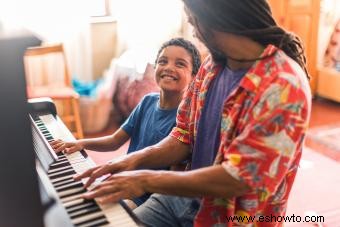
302 18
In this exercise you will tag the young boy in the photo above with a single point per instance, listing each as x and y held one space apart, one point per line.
176 64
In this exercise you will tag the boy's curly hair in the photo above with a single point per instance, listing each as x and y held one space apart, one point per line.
188 46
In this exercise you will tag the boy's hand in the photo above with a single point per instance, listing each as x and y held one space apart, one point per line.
67 147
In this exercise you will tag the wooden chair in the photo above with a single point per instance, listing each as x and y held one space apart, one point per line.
47 75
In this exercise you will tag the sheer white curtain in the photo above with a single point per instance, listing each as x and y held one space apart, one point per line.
144 25
65 21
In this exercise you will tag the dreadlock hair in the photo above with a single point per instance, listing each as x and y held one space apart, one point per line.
189 47
250 18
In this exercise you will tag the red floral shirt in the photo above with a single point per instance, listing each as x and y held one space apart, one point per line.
264 121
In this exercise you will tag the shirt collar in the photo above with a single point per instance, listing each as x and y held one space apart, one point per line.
253 77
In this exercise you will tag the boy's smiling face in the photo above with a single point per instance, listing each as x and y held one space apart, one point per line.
173 69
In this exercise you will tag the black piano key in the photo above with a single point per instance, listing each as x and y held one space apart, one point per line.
61 156
85 204
60 164
74 202
86 219
62 179
61 174
55 170
68 173
49 138
63 182
60 159
84 211
75 184
71 192
59 171
95 223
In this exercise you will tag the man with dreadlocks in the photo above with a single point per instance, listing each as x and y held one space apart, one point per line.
241 125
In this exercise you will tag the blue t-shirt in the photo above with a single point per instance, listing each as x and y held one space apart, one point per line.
147 125
205 147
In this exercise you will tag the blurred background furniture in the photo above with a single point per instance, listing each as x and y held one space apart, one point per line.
47 75
302 18
329 83
329 73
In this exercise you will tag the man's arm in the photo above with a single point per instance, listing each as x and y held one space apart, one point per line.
167 152
211 181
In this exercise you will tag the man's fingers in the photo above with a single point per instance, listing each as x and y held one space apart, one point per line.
101 191
111 198
97 173
87 173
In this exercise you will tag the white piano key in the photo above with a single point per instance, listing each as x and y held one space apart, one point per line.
94 223
73 202
115 213
72 184
61 183
81 206
88 217
59 163
59 131
84 211
71 198
60 179
72 191
61 158
66 171
59 169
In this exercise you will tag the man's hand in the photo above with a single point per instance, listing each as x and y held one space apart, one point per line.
125 185
113 167
67 147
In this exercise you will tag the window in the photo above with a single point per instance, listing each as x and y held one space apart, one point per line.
99 8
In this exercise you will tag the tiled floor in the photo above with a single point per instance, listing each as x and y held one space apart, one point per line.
317 185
